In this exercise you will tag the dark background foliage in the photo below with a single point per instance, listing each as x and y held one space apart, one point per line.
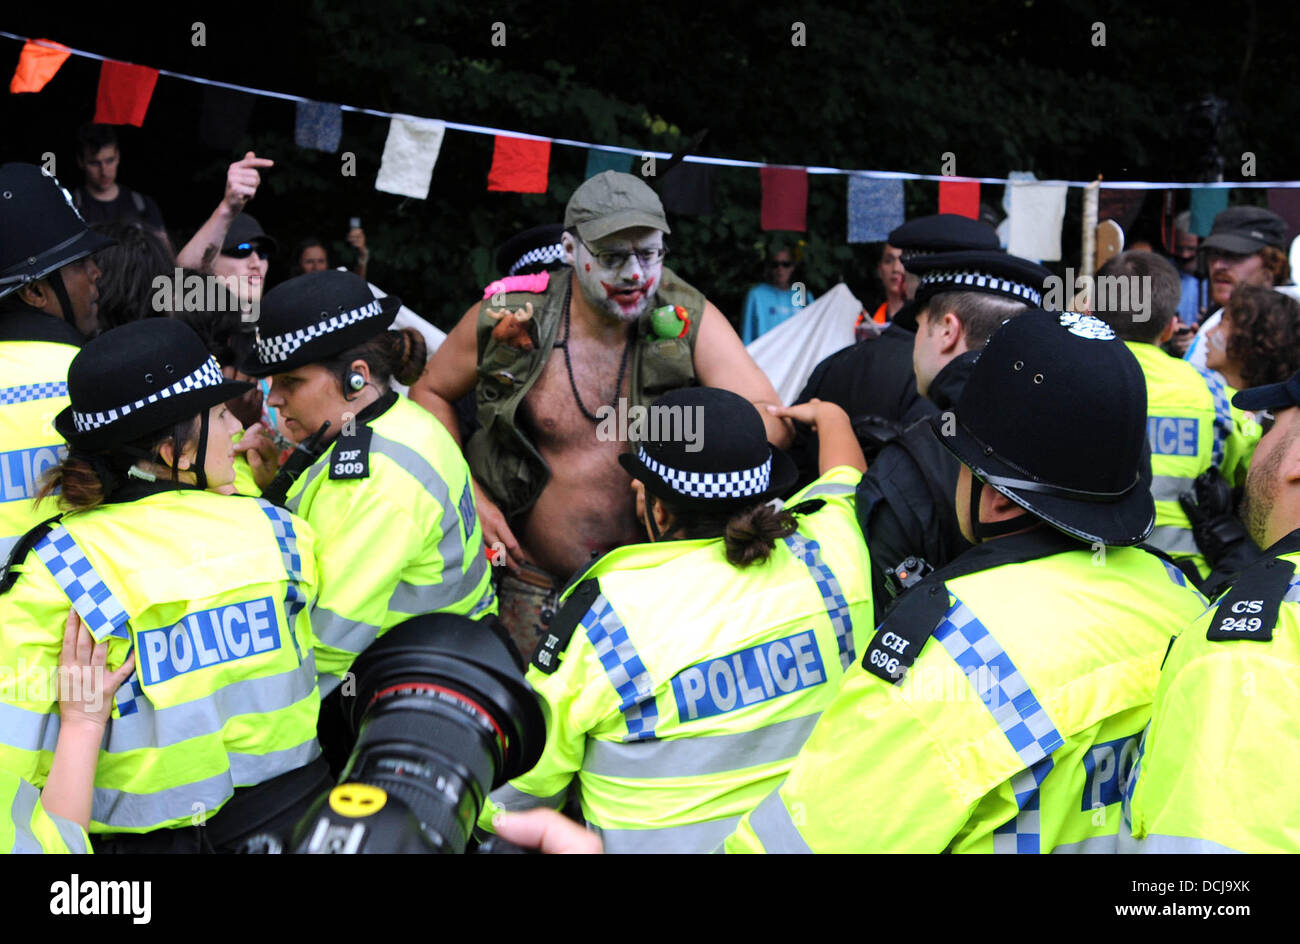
887 84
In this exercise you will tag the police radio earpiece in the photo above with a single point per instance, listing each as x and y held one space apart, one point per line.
356 382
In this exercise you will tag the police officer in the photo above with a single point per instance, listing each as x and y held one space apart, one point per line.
999 704
874 378
682 675
904 501
1190 425
1219 763
47 301
390 494
217 724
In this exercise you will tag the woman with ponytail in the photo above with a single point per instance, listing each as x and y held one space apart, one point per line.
213 735
378 477
682 675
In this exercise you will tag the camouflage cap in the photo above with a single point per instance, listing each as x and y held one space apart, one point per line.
609 202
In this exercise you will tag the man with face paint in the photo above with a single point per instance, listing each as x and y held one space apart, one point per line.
557 360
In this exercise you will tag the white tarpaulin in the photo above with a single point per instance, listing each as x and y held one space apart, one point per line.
789 352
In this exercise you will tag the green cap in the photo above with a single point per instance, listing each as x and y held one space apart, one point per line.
609 202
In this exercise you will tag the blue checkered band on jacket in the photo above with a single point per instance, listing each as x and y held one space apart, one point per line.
1222 412
209 375
837 608
294 598
626 672
1020 835
126 695
712 484
962 280
103 615
280 347
543 254
999 684
36 391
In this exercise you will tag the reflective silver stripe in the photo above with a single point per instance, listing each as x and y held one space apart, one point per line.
248 770
830 488
1178 844
150 727
327 684
21 811
691 838
771 823
696 756
1172 539
119 809
451 547
1168 487
7 547
510 798
27 730
73 836
320 466
1094 845
339 632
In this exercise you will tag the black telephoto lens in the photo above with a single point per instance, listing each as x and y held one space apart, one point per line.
442 716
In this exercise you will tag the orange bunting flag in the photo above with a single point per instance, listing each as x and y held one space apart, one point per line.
124 93
37 65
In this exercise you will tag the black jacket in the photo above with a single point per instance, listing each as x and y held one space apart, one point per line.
872 378
905 501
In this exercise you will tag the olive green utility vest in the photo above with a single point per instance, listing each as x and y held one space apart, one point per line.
500 454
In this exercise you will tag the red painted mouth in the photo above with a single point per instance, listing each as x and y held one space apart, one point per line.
626 297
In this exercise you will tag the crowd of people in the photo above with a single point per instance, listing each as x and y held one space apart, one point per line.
990 583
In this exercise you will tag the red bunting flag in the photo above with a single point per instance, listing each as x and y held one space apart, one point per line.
124 93
37 65
961 197
519 165
785 198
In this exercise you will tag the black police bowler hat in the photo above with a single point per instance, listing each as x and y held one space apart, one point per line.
532 250
313 317
1054 417
1277 396
943 232
139 378
1244 230
727 464
40 228
245 229
973 270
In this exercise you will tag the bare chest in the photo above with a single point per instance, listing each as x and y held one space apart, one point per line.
593 375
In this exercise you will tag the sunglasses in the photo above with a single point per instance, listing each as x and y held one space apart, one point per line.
244 250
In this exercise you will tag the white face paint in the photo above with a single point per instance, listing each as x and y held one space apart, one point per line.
622 292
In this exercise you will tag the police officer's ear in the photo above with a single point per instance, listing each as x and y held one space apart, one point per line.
569 245
39 294
1167 334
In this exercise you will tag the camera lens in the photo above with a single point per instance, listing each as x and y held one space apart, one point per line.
442 716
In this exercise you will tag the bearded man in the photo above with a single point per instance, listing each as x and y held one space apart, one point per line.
554 358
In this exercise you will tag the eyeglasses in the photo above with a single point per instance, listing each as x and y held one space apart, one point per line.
244 250
1266 420
615 260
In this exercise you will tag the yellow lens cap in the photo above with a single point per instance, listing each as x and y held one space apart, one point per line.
357 799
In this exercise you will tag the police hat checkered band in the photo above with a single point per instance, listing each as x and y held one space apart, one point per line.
543 254
978 280
209 375
712 484
280 347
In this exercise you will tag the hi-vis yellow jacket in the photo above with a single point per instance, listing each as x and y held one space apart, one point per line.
25 826
996 710
678 688
1220 762
1191 426
212 592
